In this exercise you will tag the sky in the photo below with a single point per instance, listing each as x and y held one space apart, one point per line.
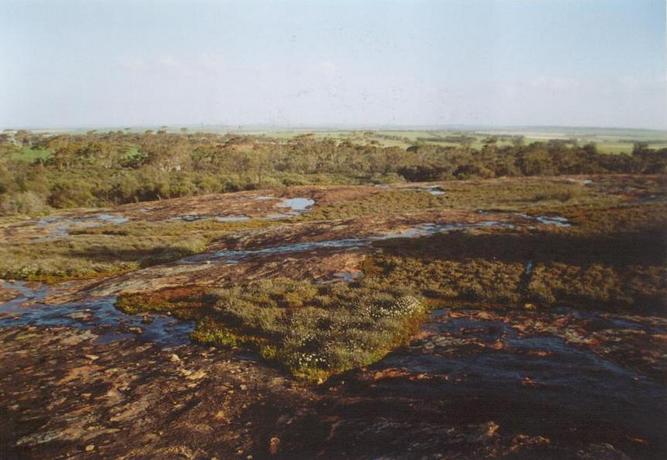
364 63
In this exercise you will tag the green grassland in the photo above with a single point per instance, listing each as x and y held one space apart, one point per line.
31 154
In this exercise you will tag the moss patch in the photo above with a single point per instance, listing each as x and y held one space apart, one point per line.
314 331
111 249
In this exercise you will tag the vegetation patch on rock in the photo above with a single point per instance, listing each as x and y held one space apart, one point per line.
313 330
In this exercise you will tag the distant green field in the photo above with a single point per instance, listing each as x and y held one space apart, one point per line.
31 154
608 140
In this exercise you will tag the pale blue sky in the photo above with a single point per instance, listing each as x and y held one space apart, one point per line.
66 63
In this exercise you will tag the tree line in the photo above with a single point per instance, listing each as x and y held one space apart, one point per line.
39 171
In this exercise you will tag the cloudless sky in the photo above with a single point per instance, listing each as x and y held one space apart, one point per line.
68 63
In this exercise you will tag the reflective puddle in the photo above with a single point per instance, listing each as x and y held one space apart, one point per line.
59 226
100 314
296 205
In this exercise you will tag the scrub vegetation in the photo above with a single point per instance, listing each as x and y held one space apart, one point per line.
41 172
109 249
617 272
312 330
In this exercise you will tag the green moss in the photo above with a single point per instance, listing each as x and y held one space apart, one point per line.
212 333
332 328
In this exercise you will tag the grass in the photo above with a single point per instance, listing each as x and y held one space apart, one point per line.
207 229
527 195
314 331
91 256
390 202
603 220
616 271
531 194
98 251
612 260
29 155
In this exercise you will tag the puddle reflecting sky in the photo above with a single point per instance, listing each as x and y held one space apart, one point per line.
96 313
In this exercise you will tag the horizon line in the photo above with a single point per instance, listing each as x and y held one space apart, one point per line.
327 127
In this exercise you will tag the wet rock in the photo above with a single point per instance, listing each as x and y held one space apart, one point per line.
130 411
39 438
524 442
483 433
601 452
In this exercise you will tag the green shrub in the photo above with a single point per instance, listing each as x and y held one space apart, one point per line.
313 330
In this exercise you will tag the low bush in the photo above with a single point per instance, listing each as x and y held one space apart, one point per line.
313 330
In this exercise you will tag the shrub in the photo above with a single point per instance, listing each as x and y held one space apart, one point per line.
23 203
66 194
